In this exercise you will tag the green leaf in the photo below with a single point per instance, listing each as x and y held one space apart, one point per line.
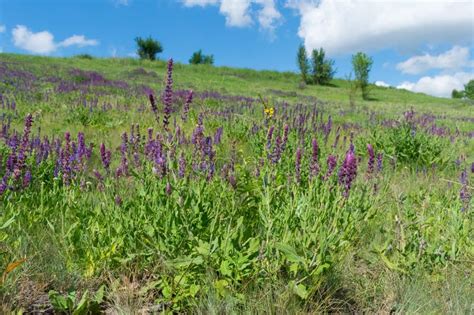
225 269
289 253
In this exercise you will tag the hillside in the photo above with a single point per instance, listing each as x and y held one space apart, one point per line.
123 192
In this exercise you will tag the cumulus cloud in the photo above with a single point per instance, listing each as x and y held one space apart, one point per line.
454 59
348 26
78 40
43 42
439 85
40 43
2 28
381 83
239 13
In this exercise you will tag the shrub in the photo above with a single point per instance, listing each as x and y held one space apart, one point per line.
303 63
148 48
469 90
84 56
362 65
198 58
457 94
322 68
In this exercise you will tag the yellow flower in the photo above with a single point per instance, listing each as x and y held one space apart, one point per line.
269 112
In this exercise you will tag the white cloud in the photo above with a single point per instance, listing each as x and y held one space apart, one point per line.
454 59
78 40
122 2
382 84
238 13
2 28
43 42
348 26
201 3
268 16
439 85
40 43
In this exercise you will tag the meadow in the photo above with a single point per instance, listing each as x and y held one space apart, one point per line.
132 187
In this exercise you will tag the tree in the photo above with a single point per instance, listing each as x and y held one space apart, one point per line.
148 48
303 63
362 65
322 68
469 90
457 94
198 58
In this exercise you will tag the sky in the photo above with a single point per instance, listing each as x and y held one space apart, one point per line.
420 45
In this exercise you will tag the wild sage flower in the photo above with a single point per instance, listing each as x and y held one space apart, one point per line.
348 172
464 193
105 156
21 158
270 136
186 106
331 163
379 162
298 165
371 161
314 165
154 108
168 96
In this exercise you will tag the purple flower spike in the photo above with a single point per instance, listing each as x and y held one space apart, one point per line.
298 165
181 166
464 193
379 162
186 106
168 95
270 136
332 163
348 172
371 162
105 156
314 166
154 108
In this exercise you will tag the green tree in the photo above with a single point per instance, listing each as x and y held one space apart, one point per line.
303 63
362 65
469 90
322 70
148 48
199 58
457 94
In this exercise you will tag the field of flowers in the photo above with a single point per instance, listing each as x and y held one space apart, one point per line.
139 192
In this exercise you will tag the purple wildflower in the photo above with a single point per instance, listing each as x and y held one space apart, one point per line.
371 162
154 108
218 135
298 165
348 172
379 162
186 106
105 156
331 162
27 179
314 166
464 194
270 136
286 130
181 166
20 161
168 95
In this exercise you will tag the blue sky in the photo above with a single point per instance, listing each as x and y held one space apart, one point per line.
414 43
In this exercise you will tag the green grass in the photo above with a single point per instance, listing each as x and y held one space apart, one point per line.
267 242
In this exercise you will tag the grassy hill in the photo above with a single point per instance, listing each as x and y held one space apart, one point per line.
112 202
